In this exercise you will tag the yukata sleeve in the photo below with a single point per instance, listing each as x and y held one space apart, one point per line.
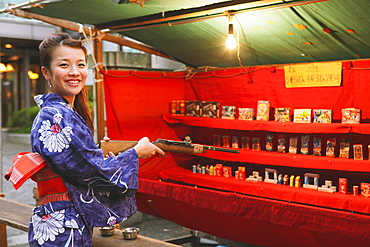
66 143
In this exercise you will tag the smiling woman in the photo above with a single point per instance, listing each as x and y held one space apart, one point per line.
78 187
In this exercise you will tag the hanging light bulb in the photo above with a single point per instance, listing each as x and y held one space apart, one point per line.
230 42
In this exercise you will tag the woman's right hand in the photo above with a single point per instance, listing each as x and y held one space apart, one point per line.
144 148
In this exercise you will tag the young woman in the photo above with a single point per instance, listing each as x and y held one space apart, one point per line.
79 188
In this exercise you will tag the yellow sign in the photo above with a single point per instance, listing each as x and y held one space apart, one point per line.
313 75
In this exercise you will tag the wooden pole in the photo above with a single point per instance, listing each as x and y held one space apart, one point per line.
3 235
99 92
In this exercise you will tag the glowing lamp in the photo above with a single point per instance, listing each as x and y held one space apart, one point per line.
231 42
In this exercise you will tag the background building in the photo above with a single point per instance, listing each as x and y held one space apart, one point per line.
20 73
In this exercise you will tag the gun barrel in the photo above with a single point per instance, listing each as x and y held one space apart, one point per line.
187 144
228 150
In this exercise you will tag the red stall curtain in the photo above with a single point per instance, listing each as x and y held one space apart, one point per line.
136 101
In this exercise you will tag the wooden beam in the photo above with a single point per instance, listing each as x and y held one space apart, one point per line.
17 215
95 32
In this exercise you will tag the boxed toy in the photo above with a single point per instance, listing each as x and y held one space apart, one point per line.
263 110
228 112
210 109
282 114
302 116
322 115
246 114
192 108
351 116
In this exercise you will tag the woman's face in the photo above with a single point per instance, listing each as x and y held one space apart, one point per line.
68 72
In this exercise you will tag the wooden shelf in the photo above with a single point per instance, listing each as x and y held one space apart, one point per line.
275 158
338 201
291 160
272 126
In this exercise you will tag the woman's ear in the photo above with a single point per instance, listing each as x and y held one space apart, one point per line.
45 72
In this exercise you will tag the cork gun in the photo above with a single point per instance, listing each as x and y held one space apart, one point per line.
166 145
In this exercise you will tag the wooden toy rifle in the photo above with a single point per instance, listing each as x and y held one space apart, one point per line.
166 145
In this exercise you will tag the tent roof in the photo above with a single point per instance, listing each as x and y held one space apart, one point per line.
269 32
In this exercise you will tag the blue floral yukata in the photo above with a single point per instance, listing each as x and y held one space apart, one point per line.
101 189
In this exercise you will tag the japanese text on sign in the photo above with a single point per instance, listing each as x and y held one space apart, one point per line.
313 75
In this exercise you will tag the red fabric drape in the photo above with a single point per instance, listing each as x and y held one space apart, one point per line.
136 102
254 220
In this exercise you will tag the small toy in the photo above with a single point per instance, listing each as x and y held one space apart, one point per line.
351 116
316 146
246 114
285 179
255 177
269 140
357 150
293 143
282 114
307 179
268 179
245 142
227 171
256 144
226 141
304 144
355 190
281 145
297 182
235 142
322 115
365 189
327 187
280 179
343 185
228 112
344 148
330 147
263 110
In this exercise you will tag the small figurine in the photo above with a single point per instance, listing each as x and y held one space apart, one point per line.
285 179
188 139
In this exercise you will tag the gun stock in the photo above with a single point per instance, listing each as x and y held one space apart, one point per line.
166 145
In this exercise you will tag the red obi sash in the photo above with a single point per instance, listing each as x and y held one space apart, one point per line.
31 165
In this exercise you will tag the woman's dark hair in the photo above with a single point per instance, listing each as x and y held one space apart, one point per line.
46 49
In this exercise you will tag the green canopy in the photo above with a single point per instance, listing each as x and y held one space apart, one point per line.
194 31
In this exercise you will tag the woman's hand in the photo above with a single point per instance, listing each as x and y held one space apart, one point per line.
144 148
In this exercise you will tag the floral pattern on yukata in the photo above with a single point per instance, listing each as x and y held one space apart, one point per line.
58 224
102 189
47 227
54 138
